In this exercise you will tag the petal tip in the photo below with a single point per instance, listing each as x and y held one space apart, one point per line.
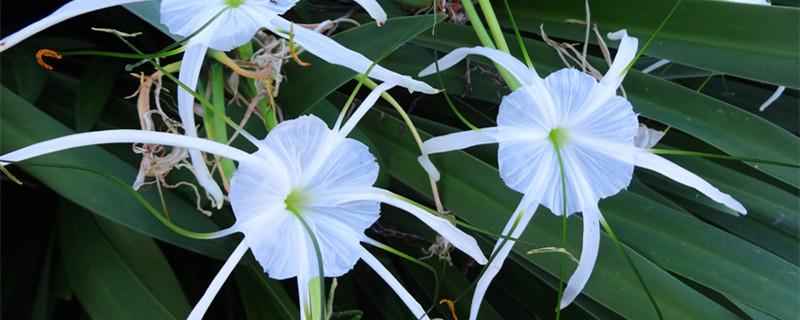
617 35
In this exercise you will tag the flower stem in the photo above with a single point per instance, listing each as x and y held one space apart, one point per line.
563 227
653 36
486 40
494 26
319 297
518 35
215 122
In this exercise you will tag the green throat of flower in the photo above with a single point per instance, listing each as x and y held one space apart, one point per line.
296 202
559 136
234 3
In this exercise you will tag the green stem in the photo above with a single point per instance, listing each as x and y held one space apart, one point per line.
494 26
563 225
123 55
477 24
215 122
486 41
518 35
653 36
319 301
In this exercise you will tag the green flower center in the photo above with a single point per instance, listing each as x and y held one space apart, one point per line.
296 202
559 136
234 3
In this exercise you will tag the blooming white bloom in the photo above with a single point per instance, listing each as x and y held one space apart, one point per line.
303 172
236 22
571 119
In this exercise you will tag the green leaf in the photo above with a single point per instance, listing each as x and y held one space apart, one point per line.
721 36
106 284
94 90
21 125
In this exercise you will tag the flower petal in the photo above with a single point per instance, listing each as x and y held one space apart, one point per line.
374 10
519 221
190 70
645 159
514 228
231 29
591 245
202 306
526 76
647 138
607 87
129 136
656 65
457 238
69 10
405 296
453 141
329 50
775 95
367 104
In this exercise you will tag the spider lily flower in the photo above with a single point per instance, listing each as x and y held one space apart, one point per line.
302 172
567 119
234 24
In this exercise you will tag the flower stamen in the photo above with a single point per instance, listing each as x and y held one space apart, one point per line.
296 202
559 136
42 53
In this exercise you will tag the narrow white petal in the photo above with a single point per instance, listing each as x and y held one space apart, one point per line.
656 65
128 136
645 159
374 10
69 10
457 238
777 94
367 104
405 296
190 70
514 227
519 71
607 87
329 50
453 141
522 216
591 245
202 306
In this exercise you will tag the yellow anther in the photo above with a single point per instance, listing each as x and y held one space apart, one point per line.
292 51
42 53
451 306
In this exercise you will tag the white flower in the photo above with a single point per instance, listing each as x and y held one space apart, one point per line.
236 24
304 170
592 128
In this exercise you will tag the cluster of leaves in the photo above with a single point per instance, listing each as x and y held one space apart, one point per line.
76 242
